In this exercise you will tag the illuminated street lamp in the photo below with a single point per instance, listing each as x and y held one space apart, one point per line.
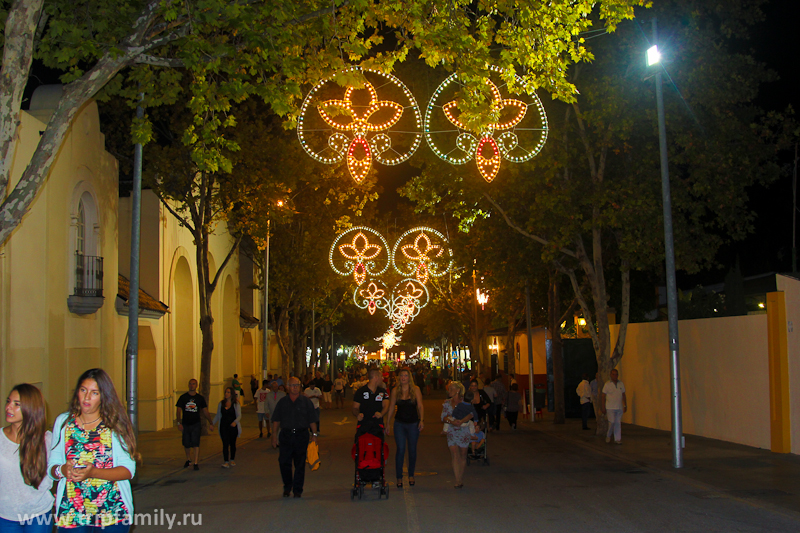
654 58
482 297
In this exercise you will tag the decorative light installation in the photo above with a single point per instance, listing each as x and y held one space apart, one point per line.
360 251
424 253
389 340
371 295
517 135
359 127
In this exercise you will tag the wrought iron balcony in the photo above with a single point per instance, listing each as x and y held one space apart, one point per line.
88 276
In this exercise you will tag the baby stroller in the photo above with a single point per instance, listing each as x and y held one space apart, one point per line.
369 453
479 455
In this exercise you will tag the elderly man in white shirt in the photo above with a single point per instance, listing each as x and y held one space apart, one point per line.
613 403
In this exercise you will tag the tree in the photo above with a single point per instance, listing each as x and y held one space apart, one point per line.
264 162
592 199
272 49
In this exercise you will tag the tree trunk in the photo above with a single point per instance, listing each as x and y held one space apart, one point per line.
511 345
18 46
556 348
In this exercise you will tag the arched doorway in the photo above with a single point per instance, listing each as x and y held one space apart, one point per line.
248 361
183 324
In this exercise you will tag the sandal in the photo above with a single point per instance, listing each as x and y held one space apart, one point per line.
400 483
411 481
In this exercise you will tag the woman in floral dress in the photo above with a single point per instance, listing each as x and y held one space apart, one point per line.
93 459
457 414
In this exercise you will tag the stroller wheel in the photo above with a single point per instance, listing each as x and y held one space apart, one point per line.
468 461
360 492
486 461
353 492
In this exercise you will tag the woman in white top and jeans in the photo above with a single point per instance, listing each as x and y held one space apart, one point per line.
25 500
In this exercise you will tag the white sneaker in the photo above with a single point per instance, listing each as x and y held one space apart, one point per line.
233 463
608 439
226 465
617 442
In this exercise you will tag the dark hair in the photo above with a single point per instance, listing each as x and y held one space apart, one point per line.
234 401
32 449
468 396
265 382
112 412
475 381
236 375
514 387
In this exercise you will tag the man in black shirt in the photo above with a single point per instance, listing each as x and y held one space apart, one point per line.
293 416
190 405
371 402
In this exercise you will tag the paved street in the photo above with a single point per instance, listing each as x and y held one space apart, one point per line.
541 478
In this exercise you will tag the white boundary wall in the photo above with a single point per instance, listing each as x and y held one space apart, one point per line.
724 377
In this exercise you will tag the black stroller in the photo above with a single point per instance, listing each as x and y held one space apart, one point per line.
369 453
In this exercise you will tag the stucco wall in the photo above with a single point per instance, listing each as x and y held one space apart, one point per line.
42 342
724 377
791 289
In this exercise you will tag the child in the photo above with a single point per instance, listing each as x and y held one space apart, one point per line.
478 439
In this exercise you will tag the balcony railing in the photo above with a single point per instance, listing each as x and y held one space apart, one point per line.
88 275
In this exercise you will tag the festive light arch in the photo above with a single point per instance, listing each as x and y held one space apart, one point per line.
423 253
356 126
372 295
360 251
517 136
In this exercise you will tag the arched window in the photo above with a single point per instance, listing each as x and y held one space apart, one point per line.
86 274
80 230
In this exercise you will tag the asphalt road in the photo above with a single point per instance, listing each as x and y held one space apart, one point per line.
535 482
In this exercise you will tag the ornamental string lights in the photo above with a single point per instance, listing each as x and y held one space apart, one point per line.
423 253
517 134
360 251
375 120
363 253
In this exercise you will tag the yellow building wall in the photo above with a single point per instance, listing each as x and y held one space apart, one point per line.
724 377
41 341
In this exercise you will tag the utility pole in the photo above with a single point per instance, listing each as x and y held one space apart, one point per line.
530 348
265 316
132 352
672 291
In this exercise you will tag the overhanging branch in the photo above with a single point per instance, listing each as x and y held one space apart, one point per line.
522 231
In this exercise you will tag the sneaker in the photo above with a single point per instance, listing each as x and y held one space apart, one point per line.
196 466
187 463
233 463
608 439
376 484
261 435
226 465
297 495
617 442
286 493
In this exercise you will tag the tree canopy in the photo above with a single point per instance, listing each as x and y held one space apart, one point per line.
229 50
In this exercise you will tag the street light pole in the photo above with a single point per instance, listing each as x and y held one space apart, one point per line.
669 249
265 317
530 348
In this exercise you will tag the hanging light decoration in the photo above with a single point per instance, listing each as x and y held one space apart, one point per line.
517 134
424 253
359 251
371 295
357 126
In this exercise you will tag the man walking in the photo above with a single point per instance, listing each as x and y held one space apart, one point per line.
584 390
371 402
613 403
190 405
293 417
499 399
313 393
273 397
260 397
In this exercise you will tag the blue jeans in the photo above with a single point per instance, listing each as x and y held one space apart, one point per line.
402 433
42 523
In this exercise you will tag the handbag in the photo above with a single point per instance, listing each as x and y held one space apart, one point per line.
312 455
